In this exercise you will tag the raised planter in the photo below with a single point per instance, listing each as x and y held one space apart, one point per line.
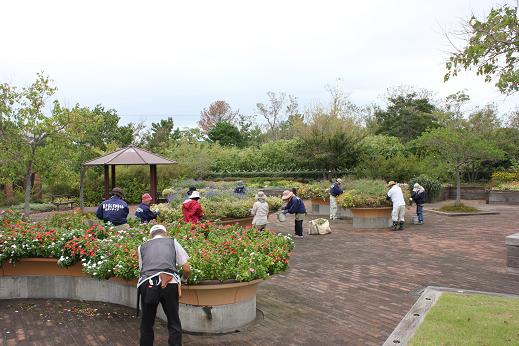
512 253
503 197
244 221
218 308
322 208
371 218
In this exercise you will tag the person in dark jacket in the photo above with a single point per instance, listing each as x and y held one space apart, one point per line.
240 188
143 212
335 190
114 209
160 282
295 206
418 196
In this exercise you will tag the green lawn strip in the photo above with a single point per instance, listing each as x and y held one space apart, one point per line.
459 319
462 208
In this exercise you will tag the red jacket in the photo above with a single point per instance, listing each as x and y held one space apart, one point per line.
192 211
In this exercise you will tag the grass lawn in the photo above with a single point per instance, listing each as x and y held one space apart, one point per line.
462 208
459 319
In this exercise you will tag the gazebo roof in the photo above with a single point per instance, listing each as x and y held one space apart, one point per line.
129 156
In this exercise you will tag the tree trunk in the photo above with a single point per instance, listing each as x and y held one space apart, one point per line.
458 187
27 188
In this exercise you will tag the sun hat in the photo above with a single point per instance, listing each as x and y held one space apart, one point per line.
157 229
240 183
194 194
118 192
338 180
416 185
146 197
287 195
391 183
261 195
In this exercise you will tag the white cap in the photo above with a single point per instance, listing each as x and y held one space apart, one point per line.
157 228
194 194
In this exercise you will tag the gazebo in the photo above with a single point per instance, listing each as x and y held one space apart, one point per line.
126 156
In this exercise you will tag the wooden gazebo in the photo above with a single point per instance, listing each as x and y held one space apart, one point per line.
126 156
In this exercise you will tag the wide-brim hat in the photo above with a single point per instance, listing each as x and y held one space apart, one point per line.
338 180
287 195
118 192
391 183
194 194
157 228
239 182
261 195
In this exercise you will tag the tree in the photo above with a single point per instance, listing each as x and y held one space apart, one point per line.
491 48
218 111
30 130
459 148
272 111
161 135
226 134
408 114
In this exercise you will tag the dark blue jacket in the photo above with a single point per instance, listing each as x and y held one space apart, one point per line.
335 190
114 210
418 198
295 206
144 213
240 190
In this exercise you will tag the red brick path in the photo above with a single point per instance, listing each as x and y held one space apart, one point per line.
348 288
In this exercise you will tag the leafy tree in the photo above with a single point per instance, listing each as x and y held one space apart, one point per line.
459 148
484 121
218 111
161 135
407 115
491 48
226 134
273 111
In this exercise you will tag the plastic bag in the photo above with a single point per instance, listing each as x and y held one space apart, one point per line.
281 217
319 227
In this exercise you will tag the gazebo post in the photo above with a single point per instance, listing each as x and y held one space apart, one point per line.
112 176
153 183
82 188
106 194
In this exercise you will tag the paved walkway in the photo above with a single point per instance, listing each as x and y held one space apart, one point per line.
351 287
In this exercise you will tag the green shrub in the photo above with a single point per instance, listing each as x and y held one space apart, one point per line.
461 208
433 187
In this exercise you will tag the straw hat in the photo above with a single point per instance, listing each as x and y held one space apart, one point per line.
287 195
391 183
261 195
339 181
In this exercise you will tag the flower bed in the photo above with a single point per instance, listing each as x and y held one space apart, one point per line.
216 252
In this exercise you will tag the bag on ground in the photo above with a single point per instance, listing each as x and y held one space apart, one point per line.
319 227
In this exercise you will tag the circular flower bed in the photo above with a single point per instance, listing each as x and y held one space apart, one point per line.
216 252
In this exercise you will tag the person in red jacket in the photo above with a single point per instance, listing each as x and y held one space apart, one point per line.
192 209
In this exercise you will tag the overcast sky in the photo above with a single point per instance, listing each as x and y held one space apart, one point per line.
153 59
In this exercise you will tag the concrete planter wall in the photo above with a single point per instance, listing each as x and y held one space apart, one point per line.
322 208
371 218
218 308
512 253
503 197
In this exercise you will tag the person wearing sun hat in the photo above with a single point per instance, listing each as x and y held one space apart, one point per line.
260 211
114 209
335 191
396 196
191 208
294 206
143 212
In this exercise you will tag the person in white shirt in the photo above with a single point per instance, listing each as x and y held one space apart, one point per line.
159 282
260 211
396 196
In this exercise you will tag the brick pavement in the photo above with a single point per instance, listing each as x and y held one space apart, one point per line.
347 288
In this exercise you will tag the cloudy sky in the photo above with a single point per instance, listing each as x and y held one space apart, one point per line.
152 59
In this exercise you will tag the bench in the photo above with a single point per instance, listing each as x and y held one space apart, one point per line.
59 200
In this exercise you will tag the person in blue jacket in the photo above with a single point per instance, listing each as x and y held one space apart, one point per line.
295 206
240 188
143 212
418 196
335 190
114 209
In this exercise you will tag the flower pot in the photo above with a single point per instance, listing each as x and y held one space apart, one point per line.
211 308
371 218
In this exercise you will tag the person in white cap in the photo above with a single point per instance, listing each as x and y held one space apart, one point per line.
418 196
335 190
159 282
396 196
260 211
191 208
294 206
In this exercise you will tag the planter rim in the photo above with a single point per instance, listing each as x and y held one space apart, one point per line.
376 208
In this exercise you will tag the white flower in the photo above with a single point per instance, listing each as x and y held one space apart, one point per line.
13 246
